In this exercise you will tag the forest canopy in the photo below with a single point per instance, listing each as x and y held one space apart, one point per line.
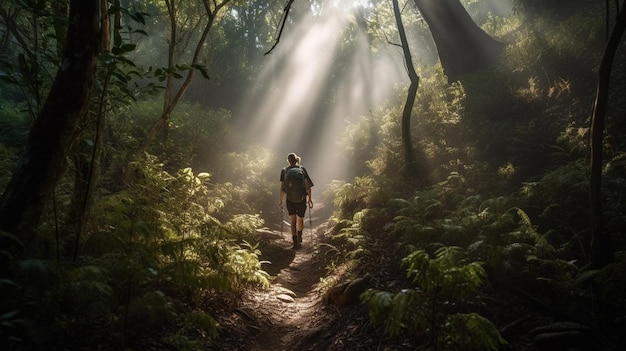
469 158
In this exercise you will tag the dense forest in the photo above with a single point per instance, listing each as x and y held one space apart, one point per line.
469 160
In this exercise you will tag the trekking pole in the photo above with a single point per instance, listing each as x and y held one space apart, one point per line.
282 221
310 220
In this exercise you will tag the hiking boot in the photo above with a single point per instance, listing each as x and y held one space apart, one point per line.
300 236
296 243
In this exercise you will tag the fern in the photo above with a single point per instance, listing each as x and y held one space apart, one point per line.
444 279
379 305
448 273
471 331
149 313
243 267
195 326
350 198
88 292
35 276
610 285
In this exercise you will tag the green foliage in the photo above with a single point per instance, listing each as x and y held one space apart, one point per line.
254 173
196 326
124 80
143 263
178 217
429 312
607 285
88 292
574 39
153 253
244 268
7 165
506 195
244 226
32 55
14 124
351 238
498 231
388 158
350 198
559 201
148 313
360 140
196 136
471 331
449 212
447 273
614 181
395 311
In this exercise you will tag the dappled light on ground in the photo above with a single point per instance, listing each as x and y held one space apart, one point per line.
290 313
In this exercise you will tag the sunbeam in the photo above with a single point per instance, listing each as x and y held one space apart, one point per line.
289 110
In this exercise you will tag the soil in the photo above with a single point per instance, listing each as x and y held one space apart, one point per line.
291 314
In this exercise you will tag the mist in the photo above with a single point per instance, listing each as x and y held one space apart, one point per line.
303 101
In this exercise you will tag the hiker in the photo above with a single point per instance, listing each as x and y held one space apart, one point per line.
296 184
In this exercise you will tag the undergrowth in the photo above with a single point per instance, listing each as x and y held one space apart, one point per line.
153 257
504 209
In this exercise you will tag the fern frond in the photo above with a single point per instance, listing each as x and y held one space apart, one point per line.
472 331
378 303
35 274
586 276
525 219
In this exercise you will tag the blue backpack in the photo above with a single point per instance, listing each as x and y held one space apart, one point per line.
295 185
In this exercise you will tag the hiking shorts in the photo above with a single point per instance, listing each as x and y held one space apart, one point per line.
296 208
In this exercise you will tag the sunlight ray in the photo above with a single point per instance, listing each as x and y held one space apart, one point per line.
287 112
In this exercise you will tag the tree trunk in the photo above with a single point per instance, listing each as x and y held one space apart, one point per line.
601 247
86 157
56 127
463 47
407 144
60 11
172 97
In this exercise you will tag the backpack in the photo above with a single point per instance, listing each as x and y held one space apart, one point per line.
295 185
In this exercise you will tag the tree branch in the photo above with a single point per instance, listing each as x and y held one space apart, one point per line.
283 20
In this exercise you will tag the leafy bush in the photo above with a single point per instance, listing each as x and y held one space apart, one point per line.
255 173
350 198
430 312
147 249
7 165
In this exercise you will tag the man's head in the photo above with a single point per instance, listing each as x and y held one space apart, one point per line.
293 159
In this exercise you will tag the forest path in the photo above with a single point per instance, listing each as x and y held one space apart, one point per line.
290 314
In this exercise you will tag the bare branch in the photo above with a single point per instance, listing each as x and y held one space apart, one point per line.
283 20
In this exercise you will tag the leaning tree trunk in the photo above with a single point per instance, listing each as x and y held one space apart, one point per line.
463 47
407 144
601 247
56 127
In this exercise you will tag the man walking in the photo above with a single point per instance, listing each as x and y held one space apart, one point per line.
295 185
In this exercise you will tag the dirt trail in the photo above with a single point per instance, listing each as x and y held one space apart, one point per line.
290 315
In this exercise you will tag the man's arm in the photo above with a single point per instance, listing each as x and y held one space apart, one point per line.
281 193
309 184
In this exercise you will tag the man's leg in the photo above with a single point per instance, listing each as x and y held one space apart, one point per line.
294 236
300 227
